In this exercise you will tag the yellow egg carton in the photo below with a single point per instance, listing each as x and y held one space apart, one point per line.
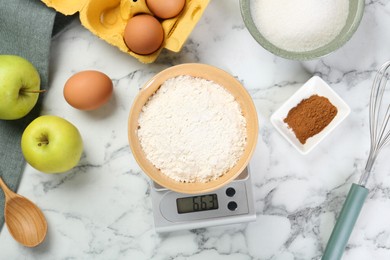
108 18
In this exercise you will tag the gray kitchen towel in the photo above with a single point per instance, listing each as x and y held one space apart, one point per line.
26 28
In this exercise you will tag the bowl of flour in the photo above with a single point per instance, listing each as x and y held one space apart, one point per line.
193 128
302 29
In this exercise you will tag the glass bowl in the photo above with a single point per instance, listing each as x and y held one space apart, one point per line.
356 8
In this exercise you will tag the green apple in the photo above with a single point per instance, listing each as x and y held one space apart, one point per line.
52 144
19 87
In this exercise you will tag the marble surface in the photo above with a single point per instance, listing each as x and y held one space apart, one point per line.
102 208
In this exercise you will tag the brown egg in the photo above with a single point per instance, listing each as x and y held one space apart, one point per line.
88 90
143 34
165 9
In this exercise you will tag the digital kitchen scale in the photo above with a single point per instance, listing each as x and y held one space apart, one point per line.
228 205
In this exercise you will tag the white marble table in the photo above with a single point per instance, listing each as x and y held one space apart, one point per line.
102 208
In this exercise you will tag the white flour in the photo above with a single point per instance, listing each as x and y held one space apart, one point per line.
192 129
300 25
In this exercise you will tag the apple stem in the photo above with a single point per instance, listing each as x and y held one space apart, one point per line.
33 91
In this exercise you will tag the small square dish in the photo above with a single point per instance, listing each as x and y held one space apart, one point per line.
314 86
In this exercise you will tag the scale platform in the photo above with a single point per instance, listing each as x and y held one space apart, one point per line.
228 205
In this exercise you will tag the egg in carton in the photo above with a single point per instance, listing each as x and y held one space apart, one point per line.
108 19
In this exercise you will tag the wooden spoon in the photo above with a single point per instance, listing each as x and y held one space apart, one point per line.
25 221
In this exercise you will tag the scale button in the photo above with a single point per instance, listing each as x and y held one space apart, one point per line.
230 191
232 205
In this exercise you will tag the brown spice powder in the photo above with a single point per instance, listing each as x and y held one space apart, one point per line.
310 117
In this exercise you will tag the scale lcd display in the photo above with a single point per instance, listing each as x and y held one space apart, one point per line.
197 203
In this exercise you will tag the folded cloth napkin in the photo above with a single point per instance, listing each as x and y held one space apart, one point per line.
26 29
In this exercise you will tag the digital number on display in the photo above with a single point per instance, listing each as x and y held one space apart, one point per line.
197 203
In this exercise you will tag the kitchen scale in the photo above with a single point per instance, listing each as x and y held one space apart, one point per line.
230 204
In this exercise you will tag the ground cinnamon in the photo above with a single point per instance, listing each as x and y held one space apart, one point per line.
310 117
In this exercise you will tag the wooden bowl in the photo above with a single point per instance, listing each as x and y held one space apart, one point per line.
210 73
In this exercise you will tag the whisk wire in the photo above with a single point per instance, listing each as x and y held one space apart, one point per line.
377 93
383 138
379 125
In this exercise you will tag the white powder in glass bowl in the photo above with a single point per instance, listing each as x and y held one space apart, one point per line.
299 25
192 129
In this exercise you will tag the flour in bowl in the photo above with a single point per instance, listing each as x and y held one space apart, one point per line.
192 129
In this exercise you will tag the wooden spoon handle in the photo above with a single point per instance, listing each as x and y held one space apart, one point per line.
7 192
